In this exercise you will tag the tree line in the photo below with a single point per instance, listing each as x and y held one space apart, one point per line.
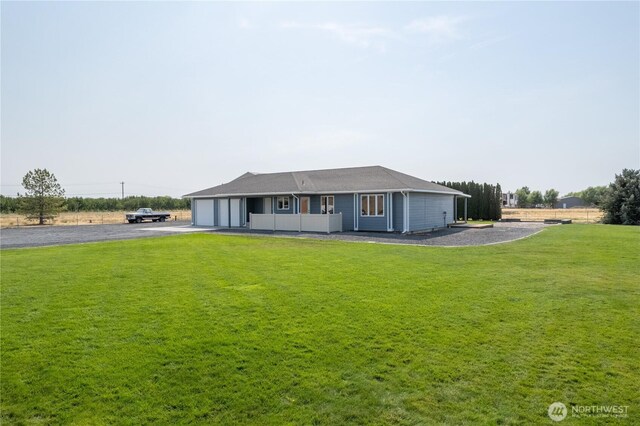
620 200
485 202
16 204
44 197
528 198
593 195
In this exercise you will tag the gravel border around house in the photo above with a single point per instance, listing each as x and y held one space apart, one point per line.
450 237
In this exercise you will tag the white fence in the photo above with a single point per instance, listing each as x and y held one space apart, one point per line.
296 222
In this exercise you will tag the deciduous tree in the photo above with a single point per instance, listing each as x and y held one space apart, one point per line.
551 197
523 196
535 198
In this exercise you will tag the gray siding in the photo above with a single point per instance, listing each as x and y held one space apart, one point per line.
255 205
376 223
315 203
275 205
425 211
398 212
344 204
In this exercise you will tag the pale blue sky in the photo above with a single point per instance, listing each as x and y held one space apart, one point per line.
176 97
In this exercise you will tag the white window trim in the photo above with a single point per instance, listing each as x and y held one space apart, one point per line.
322 204
375 197
288 203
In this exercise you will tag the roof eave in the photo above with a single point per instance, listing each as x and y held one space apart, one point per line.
367 191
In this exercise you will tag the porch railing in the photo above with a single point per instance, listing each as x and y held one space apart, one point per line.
296 222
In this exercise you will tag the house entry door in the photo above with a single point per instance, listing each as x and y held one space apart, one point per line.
305 205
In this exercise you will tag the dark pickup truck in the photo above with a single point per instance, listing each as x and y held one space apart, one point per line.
147 214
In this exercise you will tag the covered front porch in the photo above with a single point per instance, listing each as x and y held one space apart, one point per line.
301 222
456 215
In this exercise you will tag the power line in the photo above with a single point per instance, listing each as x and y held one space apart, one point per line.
105 183
68 184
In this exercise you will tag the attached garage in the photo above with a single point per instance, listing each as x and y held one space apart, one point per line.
223 209
218 212
234 212
204 213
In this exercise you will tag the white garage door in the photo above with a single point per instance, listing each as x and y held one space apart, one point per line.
235 212
223 212
204 212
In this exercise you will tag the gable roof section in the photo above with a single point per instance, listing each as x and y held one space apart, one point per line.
347 180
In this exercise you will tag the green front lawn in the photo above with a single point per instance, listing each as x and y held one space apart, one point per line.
232 329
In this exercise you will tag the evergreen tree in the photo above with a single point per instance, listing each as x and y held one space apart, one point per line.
622 201
43 198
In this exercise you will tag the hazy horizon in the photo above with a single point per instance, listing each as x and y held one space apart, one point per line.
172 98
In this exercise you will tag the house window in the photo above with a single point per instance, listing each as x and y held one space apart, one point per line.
326 204
283 203
372 205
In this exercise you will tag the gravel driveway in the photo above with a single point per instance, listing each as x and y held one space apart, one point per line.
34 236
58 235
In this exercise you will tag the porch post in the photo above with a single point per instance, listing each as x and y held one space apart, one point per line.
465 209
390 214
455 208
356 211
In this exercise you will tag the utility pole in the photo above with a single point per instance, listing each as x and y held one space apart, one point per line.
122 183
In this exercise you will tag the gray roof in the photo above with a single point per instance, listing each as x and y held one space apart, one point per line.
348 180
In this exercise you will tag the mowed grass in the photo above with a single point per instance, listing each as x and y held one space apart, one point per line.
231 329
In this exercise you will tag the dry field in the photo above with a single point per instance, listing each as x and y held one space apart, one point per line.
577 215
82 218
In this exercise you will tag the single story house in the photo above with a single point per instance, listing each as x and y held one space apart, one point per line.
349 199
